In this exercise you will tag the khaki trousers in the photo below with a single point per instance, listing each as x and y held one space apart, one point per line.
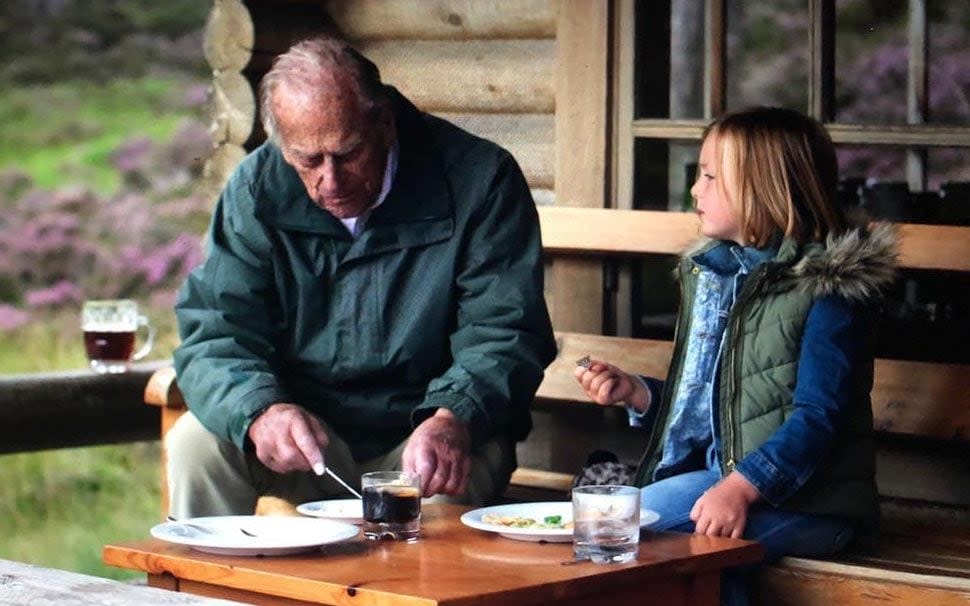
210 476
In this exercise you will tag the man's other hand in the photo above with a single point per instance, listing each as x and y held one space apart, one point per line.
439 450
288 438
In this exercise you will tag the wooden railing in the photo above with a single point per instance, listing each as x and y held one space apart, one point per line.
77 408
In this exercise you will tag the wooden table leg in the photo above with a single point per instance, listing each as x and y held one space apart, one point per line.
163 580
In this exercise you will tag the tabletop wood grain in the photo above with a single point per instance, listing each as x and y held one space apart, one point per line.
450 565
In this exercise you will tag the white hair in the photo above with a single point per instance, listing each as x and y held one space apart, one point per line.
309 66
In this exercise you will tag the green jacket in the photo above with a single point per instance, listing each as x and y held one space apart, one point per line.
759 366
438 303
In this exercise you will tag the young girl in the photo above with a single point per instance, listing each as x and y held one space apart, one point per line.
763 427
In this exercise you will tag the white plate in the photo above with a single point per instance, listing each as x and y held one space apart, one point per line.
275 535
536 511
343 510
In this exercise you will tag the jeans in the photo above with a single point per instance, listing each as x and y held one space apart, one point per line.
781 533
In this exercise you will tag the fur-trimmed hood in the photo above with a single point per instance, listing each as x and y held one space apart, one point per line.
856 265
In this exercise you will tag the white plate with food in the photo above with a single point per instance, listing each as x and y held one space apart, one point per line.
550 521
342 510
254 535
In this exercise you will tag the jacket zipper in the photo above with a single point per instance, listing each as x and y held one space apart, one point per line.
732 367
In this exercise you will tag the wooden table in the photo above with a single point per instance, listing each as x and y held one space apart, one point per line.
451 565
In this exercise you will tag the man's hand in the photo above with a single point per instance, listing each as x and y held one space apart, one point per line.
722 511
439 450
288 438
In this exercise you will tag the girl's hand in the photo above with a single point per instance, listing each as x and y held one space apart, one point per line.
607 385
722 511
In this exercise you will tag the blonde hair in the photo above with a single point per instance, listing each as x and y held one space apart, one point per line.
786 174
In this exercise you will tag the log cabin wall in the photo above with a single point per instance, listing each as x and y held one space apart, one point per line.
487 66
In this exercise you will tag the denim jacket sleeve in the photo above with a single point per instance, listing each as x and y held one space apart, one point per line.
830 345
646 418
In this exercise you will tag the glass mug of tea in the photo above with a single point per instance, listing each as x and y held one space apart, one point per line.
109 334
392 505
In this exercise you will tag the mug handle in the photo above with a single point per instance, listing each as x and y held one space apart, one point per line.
147 347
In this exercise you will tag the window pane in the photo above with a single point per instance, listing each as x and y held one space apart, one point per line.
949 64
871 61
655 297
669 40
947 164
767 54
687 59
880 163
927 316
663 174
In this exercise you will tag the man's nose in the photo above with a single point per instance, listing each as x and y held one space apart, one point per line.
328 179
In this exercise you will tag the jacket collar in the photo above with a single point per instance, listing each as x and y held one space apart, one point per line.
729 258
417 210
857 264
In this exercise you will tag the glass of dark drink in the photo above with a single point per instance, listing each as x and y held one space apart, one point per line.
109 328
392 505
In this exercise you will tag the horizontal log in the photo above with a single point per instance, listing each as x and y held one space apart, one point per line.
81 408
503 76
508 76
528 137
444 19
228 38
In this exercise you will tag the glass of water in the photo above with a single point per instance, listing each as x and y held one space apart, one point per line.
606 523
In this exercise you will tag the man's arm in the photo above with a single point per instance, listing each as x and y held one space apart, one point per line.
226 322
503 340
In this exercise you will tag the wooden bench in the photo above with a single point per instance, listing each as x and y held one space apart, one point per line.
921 413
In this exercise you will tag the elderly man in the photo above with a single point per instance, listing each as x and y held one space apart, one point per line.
372 299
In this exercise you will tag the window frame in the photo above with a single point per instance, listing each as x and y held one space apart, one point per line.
916 136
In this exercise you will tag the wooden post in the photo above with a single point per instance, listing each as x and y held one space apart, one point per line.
581 150
582 131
